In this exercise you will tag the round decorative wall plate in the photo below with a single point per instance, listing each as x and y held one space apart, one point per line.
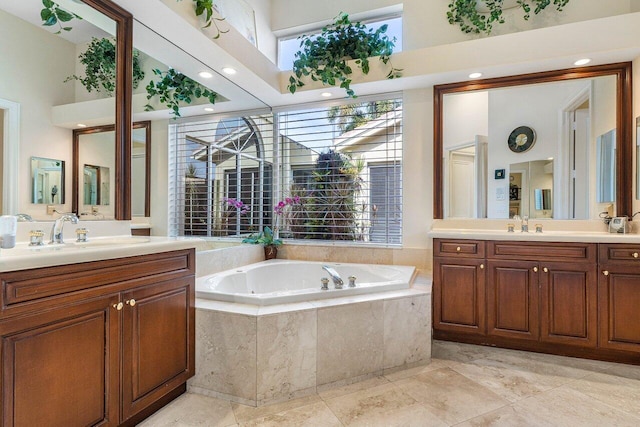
521 139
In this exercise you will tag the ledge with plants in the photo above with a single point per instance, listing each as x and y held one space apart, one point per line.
325 57
466 13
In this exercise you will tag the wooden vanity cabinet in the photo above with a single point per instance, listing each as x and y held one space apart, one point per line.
541 291
619 297
99 343
459 287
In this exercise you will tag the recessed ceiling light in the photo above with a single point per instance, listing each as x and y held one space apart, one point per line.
205 74
549 158
475 75
582 61
81 125
229 70
208 109
326 94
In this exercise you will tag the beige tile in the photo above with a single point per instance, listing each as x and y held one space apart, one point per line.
352 388
407 330
226 354
507 380
286 355
379 405
451 396
350 340
566 407
401 373
506 416
624 371
316 414
246 413
193 410
446 350
618 392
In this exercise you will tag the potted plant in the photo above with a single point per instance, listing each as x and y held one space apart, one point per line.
266 239
99 62
471 19
174 88
324 56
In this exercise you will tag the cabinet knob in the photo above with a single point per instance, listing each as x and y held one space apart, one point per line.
118 306
458 249
635 254
606 273
131 302
546 270
481 266
535 269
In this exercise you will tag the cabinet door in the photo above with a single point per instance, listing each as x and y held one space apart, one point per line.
158 342
618 302
458 295
61 367
568 304
512 299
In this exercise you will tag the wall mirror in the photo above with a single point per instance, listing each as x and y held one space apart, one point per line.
94 158
512 145
47 181
31 48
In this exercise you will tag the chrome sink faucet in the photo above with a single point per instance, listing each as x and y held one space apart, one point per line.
337 280
524 225
56 230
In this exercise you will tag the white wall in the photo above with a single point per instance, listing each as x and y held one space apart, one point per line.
465 116
40 61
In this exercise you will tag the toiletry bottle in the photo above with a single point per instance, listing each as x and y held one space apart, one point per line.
8 229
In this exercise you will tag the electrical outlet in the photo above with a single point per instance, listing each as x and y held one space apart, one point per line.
94 210
51 209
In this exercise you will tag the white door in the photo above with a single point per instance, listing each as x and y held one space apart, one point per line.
462 185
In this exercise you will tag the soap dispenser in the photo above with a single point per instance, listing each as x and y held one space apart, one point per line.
8 230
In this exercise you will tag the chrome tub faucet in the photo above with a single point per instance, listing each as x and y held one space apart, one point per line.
337 280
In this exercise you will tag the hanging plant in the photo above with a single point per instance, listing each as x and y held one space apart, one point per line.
99 62
175 87
465 13
323 57
204 9
52 14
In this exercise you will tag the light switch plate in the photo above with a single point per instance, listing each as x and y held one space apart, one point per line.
500 193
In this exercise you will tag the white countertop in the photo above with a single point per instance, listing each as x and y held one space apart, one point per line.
532 236
24 257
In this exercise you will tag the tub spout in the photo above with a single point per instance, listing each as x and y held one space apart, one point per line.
337 280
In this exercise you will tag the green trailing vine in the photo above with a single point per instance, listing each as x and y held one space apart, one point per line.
174 88
99 62
204 9
323 57
465 14
52 14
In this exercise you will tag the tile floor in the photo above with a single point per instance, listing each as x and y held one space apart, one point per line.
464 385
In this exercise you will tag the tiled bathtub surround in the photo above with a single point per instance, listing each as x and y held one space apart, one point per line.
258 355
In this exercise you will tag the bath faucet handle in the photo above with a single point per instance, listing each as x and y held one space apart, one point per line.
352 281
36 238
325 284
81 234
538 228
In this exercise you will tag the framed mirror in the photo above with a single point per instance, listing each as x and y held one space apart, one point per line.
93 166
526 122
47 181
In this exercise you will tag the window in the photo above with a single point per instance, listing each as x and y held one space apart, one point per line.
338 174
341 173
208 159
288 46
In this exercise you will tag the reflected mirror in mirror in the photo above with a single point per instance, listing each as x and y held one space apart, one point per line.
95 185
96 146
47 181
566 117
606 167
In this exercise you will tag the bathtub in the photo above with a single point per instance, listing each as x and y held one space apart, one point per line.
285 281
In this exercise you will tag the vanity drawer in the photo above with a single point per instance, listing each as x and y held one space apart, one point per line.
542 251
620 252
460 248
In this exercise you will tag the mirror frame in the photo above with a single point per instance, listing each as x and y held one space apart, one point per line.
123 115
624 143
75 192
